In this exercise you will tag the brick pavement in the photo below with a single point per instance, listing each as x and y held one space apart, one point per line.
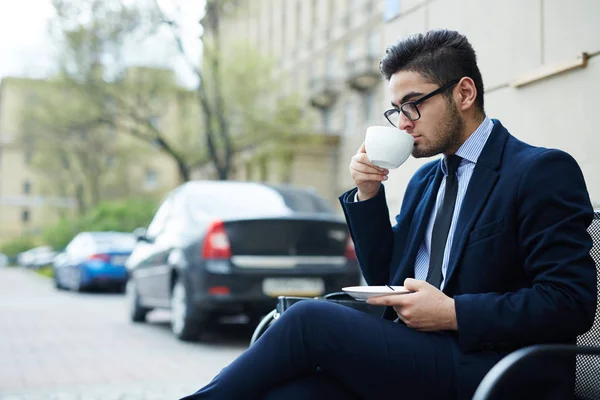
66 346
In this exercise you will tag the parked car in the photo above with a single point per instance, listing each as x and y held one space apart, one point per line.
217 249
94 259
37 257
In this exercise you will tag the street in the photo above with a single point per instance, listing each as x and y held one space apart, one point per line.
69 346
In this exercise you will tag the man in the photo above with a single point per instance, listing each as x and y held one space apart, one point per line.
491 239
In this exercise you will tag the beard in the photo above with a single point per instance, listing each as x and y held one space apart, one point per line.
447 135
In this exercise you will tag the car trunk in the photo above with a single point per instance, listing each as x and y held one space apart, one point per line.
287 237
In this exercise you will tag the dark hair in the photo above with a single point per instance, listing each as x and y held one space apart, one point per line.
438 55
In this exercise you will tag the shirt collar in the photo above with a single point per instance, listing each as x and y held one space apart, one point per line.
471 149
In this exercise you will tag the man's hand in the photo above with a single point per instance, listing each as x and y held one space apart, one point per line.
427 309
366 176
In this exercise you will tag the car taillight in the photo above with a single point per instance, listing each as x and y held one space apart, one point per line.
216 243
100 257
218 290
350 253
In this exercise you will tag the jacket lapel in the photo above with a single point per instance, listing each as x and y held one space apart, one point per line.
418 227
482 182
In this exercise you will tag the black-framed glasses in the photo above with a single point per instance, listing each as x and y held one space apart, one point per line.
411 108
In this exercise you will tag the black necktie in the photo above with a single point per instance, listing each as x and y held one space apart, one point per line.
441 226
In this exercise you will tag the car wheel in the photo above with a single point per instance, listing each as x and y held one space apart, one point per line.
137 313
182 324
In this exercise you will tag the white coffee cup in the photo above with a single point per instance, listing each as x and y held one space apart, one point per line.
388 147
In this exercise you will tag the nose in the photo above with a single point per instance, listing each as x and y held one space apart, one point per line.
404 123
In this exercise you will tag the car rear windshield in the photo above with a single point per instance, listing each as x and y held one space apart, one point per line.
114 242
252 201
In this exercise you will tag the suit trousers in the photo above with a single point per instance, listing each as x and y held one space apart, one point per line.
322 350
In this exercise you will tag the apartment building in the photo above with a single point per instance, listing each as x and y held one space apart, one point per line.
539 59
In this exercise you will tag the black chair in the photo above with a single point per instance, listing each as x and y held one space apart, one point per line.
587 350
587 386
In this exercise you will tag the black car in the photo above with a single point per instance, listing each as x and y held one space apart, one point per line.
217 249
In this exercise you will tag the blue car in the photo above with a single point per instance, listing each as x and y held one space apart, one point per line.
94 259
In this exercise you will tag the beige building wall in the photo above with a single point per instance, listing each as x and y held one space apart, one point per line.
22 204
513 39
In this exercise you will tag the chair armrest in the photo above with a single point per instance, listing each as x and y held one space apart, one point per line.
339 296
285 302
263 325
490 383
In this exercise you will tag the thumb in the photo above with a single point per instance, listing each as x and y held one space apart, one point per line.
414 285
362 149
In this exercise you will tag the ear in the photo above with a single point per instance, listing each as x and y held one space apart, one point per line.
466 93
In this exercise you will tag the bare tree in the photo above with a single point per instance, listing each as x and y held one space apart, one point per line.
232 107
236 92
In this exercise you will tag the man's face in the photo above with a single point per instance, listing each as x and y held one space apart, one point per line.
439 130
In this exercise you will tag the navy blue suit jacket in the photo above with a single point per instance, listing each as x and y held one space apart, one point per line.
520 271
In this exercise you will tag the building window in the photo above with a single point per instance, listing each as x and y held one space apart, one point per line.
329 16
271 23
391 10
350 51
111 161
25 216
151 179
26 187
327 120
369 104
283 28
348 118
298 20
27 157
314 14
373 44
312 73
330 66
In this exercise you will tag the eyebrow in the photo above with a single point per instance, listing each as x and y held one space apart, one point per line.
410 95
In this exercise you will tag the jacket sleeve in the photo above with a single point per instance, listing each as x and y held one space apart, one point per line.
371 230
554 212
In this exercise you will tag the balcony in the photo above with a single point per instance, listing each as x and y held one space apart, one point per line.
363 73
323 92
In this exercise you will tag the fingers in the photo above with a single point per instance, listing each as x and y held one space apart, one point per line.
414 285
360 163
361 157
396 300
363 173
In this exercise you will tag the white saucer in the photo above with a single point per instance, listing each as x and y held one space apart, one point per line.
364 292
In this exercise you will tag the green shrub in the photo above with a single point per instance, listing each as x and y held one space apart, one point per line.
15 246
121 216
46 270
60 234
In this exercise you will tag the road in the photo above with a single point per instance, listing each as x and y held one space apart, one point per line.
71 346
